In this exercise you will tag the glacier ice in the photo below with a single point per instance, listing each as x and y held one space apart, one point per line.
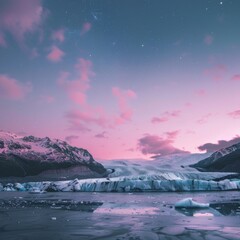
189 203
125 184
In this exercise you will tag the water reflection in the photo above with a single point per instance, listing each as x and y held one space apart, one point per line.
215 209
128 210
210 212
227 209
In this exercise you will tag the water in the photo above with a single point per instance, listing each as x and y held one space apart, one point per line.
117 216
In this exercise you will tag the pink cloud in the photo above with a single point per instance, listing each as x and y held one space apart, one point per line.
10 88
77 126
236 77
21 17
56 54
153 144
208 40
235 114
172 134
85 28
217 72
101 135
71 138
159 119
123 96
76 88
89 115
58 35
81 120
166 116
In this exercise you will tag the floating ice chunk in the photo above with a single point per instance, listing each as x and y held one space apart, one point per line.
36 190
189 203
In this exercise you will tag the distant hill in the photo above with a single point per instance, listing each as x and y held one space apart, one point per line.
224 160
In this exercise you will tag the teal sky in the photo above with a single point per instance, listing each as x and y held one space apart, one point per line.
123 79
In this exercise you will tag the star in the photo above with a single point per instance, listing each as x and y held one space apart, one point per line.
221 3
142 45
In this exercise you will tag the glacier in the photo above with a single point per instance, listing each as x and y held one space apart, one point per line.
162 183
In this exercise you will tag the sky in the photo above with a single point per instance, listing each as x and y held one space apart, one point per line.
122 79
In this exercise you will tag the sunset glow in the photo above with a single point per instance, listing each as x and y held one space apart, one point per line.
124 79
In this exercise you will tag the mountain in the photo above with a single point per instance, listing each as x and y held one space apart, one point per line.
44 158
224 160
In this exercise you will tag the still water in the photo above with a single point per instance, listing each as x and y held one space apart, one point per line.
120 216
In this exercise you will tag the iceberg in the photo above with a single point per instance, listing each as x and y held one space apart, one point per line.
189 203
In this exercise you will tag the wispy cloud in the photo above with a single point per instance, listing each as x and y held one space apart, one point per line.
123 96
217 72
58 35
56 54
85 28
166 116
87 117
236 77
97 116
71 138
76 88
235 114
10 88
101 135
21 17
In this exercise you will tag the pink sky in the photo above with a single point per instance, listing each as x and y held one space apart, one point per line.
132 87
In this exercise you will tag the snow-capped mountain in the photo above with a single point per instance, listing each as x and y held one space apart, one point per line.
45 158
224 160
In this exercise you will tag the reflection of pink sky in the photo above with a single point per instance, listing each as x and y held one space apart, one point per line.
203 214
128 211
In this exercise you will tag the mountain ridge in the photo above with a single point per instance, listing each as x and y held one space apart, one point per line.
225 160
23 156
